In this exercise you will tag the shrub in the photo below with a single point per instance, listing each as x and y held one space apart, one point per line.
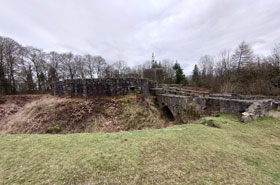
53 130
97 110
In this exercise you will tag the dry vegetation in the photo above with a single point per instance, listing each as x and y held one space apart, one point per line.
48 114
10 105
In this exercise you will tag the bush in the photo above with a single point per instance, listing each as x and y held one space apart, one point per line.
97 110
53 130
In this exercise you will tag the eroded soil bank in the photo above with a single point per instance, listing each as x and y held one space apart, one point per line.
49 114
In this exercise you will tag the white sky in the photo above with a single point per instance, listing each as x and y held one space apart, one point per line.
131 30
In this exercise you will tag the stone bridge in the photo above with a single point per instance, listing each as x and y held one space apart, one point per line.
174 105
181 103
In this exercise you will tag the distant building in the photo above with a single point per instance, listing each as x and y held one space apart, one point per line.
155 73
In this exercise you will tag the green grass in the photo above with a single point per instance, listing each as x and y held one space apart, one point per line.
235 153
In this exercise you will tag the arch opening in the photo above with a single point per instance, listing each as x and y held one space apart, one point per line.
132 88
168 114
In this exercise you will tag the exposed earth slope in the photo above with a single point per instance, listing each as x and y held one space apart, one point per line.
49 114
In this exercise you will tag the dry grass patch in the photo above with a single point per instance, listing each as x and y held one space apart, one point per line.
49 114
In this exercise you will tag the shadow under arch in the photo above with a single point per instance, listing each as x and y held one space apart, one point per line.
167 112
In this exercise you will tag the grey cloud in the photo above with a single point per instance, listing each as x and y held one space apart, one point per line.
181 30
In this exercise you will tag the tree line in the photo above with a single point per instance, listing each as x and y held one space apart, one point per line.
25 69
239 71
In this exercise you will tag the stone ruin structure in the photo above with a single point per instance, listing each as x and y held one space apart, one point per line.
177 101
180 101
102 87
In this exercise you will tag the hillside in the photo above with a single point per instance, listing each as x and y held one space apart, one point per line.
233 153
49 114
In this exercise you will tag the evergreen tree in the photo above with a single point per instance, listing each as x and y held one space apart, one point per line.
180 77
52 76
196 76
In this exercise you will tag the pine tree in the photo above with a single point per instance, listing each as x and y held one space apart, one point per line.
196 76
52 76
180 77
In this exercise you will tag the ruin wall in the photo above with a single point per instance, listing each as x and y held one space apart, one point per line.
101 87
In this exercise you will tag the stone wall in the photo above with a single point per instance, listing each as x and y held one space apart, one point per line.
245 97
102 87
207 105
175 103
181 107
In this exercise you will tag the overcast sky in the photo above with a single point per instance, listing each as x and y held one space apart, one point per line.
131 30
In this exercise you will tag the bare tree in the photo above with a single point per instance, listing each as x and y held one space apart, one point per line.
37 58
121 68
79 61
206 66
90 65
206 63
108 71
4 85
223 71
243 55
147 65
168 71
139 71
69 67
100 66
275 57
25 72
54 68
11 56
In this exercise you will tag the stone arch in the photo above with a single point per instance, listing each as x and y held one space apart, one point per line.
132 88
168 113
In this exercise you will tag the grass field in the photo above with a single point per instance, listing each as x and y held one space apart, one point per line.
235 153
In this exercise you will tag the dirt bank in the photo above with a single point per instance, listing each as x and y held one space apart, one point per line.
49 114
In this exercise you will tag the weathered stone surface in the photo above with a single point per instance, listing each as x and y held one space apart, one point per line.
180 106
176 85
244 97
207 105
102 87
256 110
157 91
276 105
